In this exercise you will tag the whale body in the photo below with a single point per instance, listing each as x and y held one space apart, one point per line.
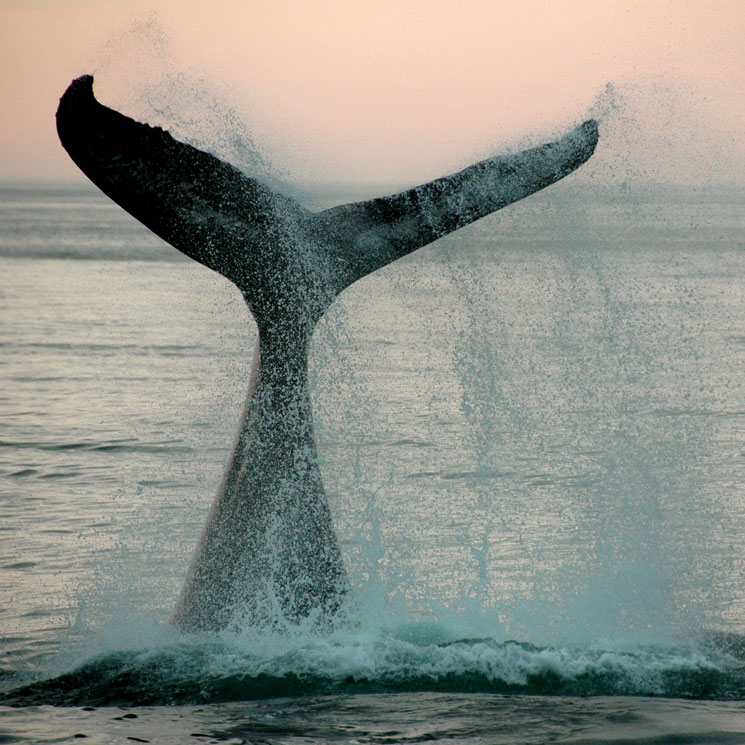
268 553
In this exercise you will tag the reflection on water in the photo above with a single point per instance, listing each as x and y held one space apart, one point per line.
477 720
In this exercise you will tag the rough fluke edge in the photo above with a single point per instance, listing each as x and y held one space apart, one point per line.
268 554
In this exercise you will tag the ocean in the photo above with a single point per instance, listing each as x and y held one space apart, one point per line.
531 434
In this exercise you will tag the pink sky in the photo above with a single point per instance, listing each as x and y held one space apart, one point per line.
382 90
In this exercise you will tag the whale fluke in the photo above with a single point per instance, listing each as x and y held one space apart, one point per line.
268 552
385 229
205 208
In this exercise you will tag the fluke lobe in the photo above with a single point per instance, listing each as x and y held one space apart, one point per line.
268 553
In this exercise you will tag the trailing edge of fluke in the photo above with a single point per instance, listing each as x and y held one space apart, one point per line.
268 554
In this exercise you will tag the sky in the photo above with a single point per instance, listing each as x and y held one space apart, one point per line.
388 90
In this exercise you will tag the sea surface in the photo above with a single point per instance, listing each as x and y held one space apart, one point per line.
532 436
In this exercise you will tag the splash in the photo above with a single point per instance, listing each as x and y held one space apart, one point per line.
136 68
147 665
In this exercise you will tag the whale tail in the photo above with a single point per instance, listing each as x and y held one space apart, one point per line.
269 533
237 226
